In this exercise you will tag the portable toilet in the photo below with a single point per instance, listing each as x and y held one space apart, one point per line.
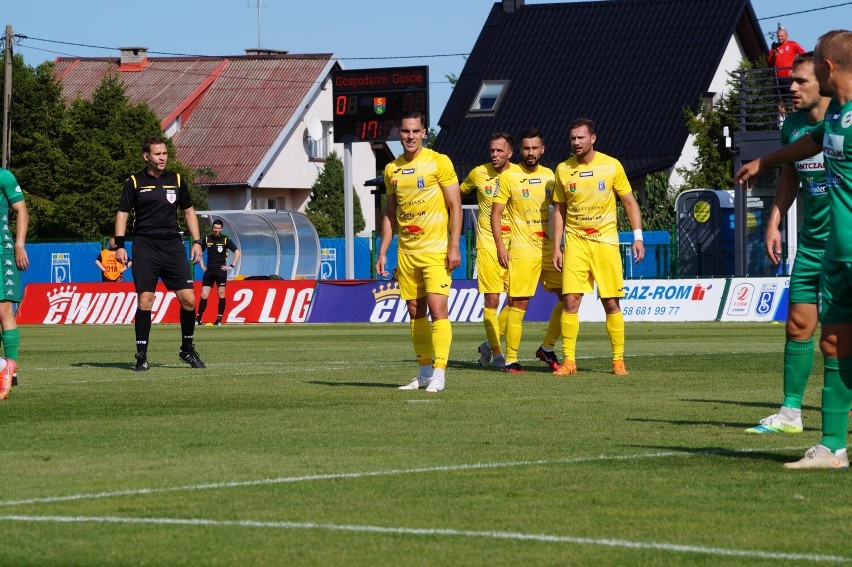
705 232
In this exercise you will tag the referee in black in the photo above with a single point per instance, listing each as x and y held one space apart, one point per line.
217 268
158 253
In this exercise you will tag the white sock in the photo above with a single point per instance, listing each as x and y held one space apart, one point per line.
545 349
426 370
790 413
438 373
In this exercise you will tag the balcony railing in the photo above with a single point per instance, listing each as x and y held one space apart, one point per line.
763 101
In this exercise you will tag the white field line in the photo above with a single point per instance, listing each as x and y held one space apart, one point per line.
544 538
369 474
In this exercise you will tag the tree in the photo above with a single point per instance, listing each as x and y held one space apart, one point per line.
72 160
658 212
326 207
714 164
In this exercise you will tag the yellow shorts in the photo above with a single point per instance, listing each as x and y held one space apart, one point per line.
490 275
524 274
419 274
585 262
550 278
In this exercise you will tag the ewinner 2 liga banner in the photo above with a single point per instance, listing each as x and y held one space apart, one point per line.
370 301
262 301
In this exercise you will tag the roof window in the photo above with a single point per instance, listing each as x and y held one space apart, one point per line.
489 96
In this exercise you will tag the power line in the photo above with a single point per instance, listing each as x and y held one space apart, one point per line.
805 11
113 49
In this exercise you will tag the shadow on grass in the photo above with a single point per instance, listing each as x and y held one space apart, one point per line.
768 405
713 423
722 452
118 365
356 384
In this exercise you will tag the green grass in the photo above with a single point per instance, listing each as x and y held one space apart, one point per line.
294 447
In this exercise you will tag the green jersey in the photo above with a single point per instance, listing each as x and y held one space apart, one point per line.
835 134
815 200
10 193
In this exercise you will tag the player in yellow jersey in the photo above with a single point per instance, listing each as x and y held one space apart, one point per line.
526 194
584 200
492 278
424 209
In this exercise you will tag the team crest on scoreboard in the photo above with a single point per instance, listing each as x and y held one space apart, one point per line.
380 104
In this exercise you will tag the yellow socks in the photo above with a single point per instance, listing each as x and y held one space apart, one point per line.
570 323
615 330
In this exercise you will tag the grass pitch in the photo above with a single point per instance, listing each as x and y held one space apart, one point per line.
294 447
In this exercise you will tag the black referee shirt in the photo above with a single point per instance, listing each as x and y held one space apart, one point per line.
156 202
217 249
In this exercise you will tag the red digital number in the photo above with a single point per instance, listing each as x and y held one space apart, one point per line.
369 130
340 105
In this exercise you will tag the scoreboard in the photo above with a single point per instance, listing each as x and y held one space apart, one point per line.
368 103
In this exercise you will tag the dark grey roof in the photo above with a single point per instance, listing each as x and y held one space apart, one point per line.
632 66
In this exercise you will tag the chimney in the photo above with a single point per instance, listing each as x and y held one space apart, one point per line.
134 55
255 51
512 6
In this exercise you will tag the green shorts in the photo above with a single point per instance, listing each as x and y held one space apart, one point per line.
804 281
835 290
11 288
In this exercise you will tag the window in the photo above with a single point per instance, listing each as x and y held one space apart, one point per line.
261 203
489 96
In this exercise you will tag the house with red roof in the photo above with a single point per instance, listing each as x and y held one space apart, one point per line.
258 126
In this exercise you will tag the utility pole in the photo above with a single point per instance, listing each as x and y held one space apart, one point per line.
7 100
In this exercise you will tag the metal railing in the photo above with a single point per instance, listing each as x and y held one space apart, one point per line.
763 99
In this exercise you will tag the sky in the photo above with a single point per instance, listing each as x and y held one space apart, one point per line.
362 33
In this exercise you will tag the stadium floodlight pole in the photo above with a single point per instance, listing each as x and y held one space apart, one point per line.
348 210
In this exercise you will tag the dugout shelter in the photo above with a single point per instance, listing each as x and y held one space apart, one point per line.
271 242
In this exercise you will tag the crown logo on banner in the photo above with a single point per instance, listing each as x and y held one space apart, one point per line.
64 293
389 291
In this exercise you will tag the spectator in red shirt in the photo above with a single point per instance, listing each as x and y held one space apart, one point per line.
781 57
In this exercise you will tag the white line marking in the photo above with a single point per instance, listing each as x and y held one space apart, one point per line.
546 538
368 474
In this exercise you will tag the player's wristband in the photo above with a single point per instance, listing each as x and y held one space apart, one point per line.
199 242
231 265
119 242
637 234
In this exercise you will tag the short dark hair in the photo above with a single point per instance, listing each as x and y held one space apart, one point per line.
503 136
152 141
218 222
532 133
803 58
582 122
413 114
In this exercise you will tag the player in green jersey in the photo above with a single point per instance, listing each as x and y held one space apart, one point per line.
14 259
804 283
833 69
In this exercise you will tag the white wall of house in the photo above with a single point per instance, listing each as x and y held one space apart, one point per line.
734 54
292 172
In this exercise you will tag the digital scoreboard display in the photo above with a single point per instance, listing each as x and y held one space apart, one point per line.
368 103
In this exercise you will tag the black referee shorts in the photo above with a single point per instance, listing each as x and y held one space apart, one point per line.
214 274
165 260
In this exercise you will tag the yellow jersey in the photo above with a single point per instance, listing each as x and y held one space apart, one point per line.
484 179
421 211
528 196
588 190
